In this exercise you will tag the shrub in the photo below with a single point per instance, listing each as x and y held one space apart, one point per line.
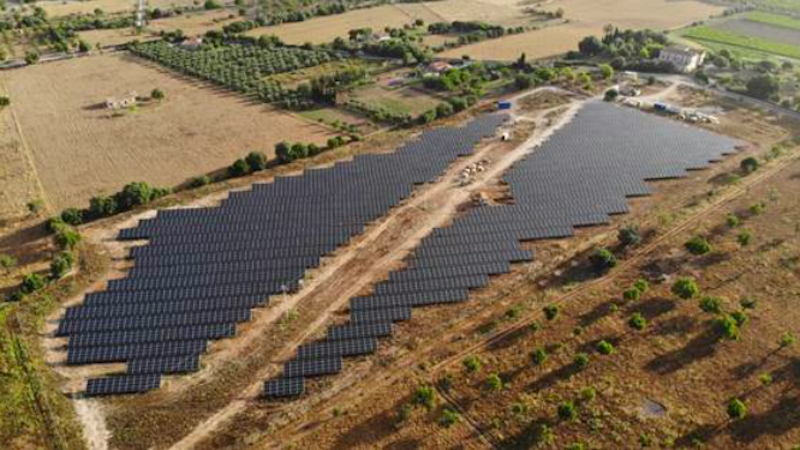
257 161
212 4
588 394
698 245
727 327
603 260
157 94
539 356
284 152
740 318
732 220
581 360
444 110
711 305
72 216
35 206
31 283
611 95
641 285
749 165
4 101
737 409
472 364
61 264
544 435
238 168
685 288
605 348
787 340
551 312
632 294
629 236
748 303
576 446
448 418
102 206
637 322
425 396
494 383
136 194
744 237
67 237
567 411
758 208
765 379
197 182
7 262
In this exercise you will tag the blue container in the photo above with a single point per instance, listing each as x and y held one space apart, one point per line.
503 105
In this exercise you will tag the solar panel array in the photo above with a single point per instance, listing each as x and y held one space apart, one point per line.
579 177
204 269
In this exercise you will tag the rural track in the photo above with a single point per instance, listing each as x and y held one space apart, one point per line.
401 368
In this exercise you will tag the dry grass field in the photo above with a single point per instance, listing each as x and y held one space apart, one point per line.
194 23
197 128
58 8
113 37
407 100
589 17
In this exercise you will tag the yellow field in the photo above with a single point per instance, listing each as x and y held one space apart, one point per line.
588 17
80 149
194 23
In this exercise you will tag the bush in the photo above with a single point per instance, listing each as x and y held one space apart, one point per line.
494 383
603 260
212 4
632 294
7 262
727 327
588 394
197 182
641 285
685 288
31 283
787 340
257 161
629 236
749 165
425 396
157 94
698 245
67 237
611 95
567 411
238 168
765 379
72 216
737 410
472 364
744 237
448 418
748 303
711 305
758 208
61 264
102 206
444 110
732 220
581 360
539 356
637 322
136 194
4 101
740 318
605 348
551 312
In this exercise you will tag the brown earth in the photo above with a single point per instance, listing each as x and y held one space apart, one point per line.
196 129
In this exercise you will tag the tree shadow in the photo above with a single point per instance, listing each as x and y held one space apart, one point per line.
404 444
374 429
712 259
549 379
529 437
702 433
510 339
781 418
597 313
681 325
652 308
701 347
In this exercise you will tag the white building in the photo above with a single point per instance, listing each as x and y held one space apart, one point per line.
684 59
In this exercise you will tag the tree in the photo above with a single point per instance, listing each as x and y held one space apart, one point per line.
300 150
629 236
590 46
763 86
749 165
567 411
102 206
711 304
685 288
539 356
60 265
7 262
66 237
632 295
31 58
603 260
448 418
72 216
744 237
732 220
611 95
698 245
607 71
200 181
284 152
787 340
737 409
605 348
637 322
444 110
31 283
641 285
257 161
212 4
4 101
425 396
494 382
83 46
727 327
581 360
134 194
157 94
238 168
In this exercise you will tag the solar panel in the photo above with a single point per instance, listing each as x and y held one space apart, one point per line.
312 367
123 384
284 387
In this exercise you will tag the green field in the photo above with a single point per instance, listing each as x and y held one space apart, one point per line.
787 5
774 19
705 34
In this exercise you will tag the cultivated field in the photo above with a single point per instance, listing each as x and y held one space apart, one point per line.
763 31
719 35
588 17
197 129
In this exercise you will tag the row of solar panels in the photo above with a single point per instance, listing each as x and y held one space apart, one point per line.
579 177
205 268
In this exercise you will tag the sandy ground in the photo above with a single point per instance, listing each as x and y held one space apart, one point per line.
588 17
197 129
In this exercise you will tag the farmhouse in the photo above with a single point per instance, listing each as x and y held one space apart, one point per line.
192 43
684 59
120 103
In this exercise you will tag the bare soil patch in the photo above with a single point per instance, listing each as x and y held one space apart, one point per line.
80 149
